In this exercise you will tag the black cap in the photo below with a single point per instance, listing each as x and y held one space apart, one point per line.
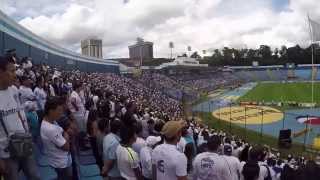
24 78
227 149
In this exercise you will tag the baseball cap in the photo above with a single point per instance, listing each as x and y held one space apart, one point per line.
152 140
227 149
171 128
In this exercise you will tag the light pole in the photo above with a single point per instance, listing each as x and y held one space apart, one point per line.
245 121
230 118
261 130
219 113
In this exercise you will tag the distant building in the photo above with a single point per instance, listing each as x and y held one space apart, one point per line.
141 50
92 48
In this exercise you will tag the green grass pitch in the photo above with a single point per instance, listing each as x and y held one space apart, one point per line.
281 92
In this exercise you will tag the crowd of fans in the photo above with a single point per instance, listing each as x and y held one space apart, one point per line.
135 131
168 85
208 81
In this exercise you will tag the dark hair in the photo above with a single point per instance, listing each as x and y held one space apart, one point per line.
251 170
288 173
138 127
52 103
271 162
227 140
103 125
158 126
77 85
115 126
311 171
126 133
256 153
244 154
214 142
4 61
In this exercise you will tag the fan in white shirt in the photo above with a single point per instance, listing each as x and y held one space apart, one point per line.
255 168
140 142
232 162
40 94
55 140
25 91
145 156
209 165
77 108
167 162
127 159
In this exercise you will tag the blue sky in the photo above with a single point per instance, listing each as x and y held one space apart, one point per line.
280 5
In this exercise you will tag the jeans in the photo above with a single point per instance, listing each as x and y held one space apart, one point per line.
28 166
64 173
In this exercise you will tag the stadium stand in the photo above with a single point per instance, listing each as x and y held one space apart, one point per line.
304 74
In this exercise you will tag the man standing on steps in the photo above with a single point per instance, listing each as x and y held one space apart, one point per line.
167 162
13 120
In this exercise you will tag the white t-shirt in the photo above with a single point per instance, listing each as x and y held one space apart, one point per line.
41 97
127 160
9 108
51 135
80 115
76 99
169 162
181 146
209 165
112 109
138 145
234 166
263 173
26 94
146 163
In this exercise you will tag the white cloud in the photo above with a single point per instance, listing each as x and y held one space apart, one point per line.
202 24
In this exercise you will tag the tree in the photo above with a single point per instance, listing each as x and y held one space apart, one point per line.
195 55
265 51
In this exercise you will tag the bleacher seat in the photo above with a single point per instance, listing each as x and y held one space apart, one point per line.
87 160
92 178
86 153
89 170
42 161
47 173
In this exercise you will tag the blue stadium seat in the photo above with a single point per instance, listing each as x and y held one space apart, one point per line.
42 161
92 178
87 160
86 153
47 173
89 170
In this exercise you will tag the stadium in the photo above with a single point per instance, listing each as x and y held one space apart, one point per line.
127 103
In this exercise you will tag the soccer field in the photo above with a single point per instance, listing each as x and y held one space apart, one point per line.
267 92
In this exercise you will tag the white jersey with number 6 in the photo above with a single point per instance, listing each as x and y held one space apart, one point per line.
170 163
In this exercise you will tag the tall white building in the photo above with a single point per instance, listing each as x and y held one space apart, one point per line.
92 48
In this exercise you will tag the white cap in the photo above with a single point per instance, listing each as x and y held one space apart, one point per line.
152 140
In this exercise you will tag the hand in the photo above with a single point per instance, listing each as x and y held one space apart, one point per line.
69 131
3 168
66 135
104 172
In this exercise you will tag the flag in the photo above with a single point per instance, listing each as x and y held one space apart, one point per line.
312 120
315 30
